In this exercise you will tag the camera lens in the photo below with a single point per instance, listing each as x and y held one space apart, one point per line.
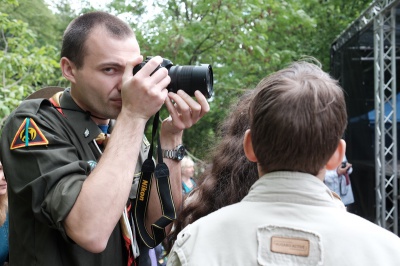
191 78
186 78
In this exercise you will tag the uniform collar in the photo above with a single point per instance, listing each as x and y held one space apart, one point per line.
81 121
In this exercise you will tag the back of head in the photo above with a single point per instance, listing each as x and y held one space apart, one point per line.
297 119
77 32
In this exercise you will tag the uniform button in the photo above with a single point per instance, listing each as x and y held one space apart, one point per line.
86 133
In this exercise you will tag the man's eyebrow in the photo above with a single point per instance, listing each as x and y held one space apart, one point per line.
111 64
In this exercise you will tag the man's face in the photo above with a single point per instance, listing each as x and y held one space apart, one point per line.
97 84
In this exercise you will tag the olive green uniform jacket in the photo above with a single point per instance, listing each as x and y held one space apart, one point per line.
47 154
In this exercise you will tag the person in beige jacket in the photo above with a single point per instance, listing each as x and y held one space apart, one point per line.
289 217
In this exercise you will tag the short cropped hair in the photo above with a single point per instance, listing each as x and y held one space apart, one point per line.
77 32
297 118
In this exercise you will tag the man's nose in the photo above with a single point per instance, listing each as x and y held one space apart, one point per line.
119 84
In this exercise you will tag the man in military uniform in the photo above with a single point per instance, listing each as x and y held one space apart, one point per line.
66 191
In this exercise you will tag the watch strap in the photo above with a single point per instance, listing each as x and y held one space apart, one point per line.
176 154
169 154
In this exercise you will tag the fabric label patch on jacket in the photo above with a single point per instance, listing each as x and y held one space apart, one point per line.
279 245
291 246
27 135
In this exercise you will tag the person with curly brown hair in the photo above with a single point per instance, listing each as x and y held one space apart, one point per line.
229 175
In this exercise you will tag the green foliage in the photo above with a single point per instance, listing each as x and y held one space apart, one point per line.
23 65
41 21
244 41
30 36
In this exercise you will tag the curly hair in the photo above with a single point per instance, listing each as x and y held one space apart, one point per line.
229 175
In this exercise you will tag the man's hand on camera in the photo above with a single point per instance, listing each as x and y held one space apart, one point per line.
144 93
184 111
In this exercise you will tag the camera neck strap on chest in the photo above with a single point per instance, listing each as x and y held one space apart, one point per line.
161 177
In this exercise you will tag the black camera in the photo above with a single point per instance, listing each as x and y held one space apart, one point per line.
186 78
344 164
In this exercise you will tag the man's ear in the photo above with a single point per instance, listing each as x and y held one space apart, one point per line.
248 147
68 69
337 156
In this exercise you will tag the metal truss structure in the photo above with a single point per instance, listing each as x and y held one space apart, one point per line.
386 172
381 15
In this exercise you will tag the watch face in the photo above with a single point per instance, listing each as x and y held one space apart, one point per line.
180 153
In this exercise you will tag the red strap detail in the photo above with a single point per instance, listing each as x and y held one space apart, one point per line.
128 248
128 243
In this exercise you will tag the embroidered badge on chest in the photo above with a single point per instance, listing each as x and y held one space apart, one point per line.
27 135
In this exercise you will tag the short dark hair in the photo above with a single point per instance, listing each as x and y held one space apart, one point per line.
297 118
77 32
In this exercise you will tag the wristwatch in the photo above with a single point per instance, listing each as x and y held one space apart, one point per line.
176 154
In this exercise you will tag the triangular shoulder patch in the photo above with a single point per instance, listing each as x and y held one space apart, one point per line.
27 135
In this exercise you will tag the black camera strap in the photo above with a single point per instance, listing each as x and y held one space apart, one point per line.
161 174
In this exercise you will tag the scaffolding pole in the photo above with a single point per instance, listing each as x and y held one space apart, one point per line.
382 15
386 172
